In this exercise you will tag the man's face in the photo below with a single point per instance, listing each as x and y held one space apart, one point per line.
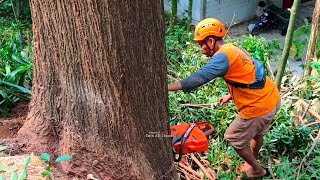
205 45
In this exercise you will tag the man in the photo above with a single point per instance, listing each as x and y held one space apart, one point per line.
255 96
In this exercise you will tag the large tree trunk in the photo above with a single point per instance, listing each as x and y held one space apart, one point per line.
311 51
100 87
288 42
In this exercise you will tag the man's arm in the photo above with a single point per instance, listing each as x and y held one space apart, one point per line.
218 66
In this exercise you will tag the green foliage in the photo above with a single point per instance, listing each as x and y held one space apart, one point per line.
2 148
13 176
63 158
23 174
46 159
288 139
18 9
258 47
301 39
6 169
47 173
315 66
15 63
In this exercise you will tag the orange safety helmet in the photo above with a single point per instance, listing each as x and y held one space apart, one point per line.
209 27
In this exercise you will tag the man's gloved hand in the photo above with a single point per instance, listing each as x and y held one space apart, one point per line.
225 99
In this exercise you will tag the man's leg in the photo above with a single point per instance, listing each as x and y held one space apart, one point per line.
256 170
256 144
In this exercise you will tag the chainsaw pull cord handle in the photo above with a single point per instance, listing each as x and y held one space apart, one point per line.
183 140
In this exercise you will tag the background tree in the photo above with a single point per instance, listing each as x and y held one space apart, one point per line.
100 87
288 42
174 10
19 9
311 50
189 15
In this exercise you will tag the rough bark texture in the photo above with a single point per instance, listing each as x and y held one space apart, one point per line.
288 42
311 51
100 87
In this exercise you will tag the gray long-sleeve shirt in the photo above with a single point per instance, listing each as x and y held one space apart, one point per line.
218 66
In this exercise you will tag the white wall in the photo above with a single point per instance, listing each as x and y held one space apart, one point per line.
224 10
183 9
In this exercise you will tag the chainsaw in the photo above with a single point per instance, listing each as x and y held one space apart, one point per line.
190 137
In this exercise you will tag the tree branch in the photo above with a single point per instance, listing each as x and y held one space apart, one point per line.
270 168
309 152
313 112
202 167
313 123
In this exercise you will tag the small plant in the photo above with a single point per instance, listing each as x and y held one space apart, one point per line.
2 148
23 174
46 158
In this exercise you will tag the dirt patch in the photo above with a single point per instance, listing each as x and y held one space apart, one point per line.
9 126
15 164
36 166
19 111
9 129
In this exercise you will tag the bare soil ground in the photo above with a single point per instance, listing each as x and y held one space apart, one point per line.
9 126
13 157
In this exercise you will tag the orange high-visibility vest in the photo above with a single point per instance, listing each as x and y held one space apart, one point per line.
250 103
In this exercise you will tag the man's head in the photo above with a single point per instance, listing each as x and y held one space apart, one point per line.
207 33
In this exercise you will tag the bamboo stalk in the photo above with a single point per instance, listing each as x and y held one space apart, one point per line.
288 42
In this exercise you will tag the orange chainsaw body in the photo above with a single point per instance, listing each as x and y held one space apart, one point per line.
197 140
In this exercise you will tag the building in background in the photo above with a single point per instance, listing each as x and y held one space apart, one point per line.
224 10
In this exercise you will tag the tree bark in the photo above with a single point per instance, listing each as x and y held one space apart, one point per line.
311 52
288 42
100 88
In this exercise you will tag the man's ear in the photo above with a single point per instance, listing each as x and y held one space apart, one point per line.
211 41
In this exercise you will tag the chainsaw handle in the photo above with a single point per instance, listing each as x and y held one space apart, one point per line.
183 140
210 131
